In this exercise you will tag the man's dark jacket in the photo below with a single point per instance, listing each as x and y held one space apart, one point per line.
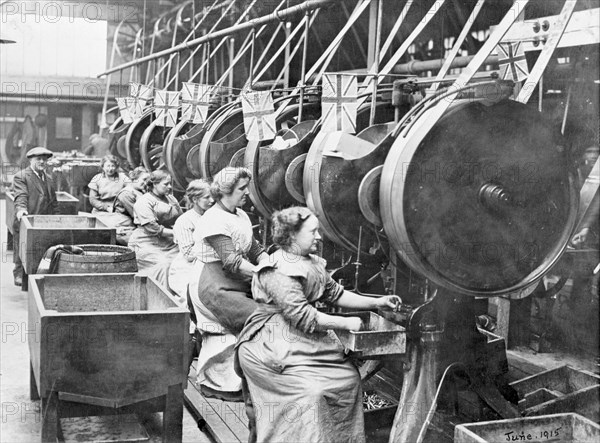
34 195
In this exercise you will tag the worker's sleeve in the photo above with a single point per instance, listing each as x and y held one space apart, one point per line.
21 193
96 202
288 294
146 218
255 251
333 291
183 232
127 199
229 256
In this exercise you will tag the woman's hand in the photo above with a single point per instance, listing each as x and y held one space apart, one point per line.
389 301
580 238
354 324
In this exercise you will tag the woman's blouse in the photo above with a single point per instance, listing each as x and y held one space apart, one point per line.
105 189
153 214
226 236
183 231
290 285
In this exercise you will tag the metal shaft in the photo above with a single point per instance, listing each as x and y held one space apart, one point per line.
308 5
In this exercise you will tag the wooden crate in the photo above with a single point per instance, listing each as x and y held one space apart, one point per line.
107 340
67 205
39 232
560 390
563 428
378 422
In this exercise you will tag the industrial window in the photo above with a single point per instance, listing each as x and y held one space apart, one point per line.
64 128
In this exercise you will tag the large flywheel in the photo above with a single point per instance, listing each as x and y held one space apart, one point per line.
483 203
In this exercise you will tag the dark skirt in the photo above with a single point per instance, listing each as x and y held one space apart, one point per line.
227 297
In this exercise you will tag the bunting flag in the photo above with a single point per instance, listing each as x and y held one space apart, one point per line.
512 61
339 103
125 104
259 115
195 101
166 105
142 95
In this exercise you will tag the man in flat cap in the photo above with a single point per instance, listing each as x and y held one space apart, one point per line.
35 193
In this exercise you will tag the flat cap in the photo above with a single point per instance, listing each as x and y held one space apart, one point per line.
39 152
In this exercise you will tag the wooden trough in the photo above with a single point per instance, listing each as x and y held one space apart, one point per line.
106 343
564 428
558 390
39 232
67 205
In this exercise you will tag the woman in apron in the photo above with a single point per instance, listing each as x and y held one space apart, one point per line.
155 213
221 296
184 267
105 186
301 385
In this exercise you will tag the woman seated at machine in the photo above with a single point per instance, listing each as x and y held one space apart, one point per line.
155 213
221 294
184 267
105 186
287 351
122 211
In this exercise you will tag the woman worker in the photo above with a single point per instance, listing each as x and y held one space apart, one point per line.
183 268
155 213
122 211
105 186
221 295
298 376
186 267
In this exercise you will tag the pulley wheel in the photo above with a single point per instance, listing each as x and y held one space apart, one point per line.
269 165
223 138
341 170
293 178
177 146
483 203
133 137
368 196
151 145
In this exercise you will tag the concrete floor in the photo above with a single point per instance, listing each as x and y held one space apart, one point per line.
21 417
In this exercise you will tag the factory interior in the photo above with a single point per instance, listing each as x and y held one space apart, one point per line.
300 221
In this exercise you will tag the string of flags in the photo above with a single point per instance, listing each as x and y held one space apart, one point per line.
339 103
193 98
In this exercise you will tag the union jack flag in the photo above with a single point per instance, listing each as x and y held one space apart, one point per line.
195 101
125 104
166 105
512 62
259 115
141 94
339 102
